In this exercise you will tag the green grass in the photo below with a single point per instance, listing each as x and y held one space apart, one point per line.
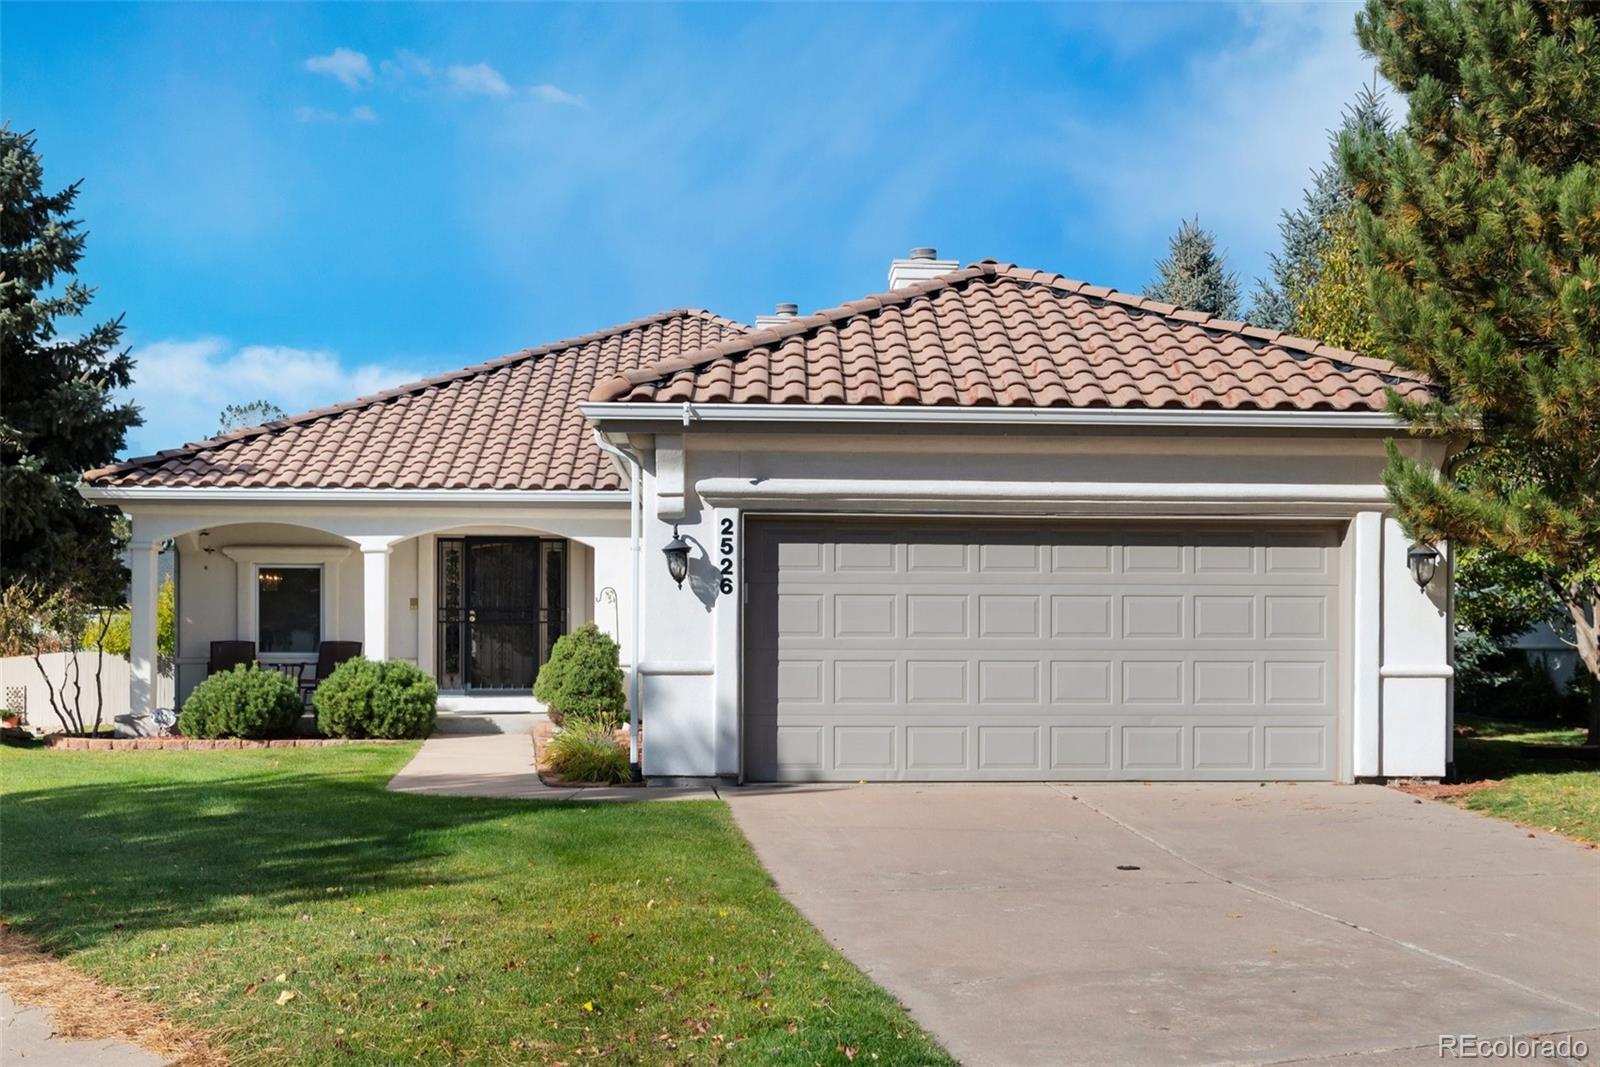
427 930
1547 791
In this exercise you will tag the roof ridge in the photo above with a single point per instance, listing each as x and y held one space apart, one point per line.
618 384
1202 319
407 389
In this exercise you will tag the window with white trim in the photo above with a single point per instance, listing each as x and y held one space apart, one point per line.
288 608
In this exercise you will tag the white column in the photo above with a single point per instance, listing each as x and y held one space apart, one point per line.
1366 652
1416 669
375 598
143 560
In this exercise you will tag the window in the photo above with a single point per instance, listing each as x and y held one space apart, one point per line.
288 608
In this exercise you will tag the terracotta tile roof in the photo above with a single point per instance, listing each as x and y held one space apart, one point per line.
998 335
511 423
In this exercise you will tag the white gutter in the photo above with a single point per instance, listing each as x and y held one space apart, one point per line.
630 467
194 494
991 416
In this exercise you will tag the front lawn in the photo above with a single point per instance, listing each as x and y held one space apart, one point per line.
281 900
1550 792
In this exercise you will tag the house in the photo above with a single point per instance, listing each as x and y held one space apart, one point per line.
990 524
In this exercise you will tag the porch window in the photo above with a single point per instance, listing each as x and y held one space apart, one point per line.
288 608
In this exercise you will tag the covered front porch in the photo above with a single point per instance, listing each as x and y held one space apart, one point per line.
474 592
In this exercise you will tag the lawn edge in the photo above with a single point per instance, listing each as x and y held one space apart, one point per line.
84 1008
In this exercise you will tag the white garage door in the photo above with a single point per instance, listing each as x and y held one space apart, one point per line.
934 651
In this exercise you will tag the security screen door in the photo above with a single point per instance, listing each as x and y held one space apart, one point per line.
501 605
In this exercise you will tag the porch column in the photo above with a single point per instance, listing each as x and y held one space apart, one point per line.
143 561
375 597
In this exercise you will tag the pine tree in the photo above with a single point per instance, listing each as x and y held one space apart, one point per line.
1479 230
58 416
1194 274
1318 288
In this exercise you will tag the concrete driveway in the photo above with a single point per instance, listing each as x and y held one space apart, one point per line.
1190 924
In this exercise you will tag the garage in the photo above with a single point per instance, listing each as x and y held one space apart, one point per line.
954 650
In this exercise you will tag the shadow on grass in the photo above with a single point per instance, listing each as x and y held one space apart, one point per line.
129 853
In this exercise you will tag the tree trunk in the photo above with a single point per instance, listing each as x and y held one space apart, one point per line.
1585 608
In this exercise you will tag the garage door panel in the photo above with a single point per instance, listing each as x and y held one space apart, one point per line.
936 652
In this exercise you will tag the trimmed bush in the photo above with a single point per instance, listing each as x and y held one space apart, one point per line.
583 678
586 750
245 702
389 699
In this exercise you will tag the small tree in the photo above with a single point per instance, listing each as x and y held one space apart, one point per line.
1479 231
118 636
1194 274
36 623
58 412
243 416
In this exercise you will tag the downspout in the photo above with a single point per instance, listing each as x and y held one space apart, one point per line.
635 535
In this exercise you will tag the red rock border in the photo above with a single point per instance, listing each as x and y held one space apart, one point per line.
193 744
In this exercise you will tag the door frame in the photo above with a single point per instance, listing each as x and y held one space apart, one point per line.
463 621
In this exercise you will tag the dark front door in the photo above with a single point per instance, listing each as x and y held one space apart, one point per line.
502 604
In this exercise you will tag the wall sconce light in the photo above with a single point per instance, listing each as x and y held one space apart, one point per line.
677 553
1424 563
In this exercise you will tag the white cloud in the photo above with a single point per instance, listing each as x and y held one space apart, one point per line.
407 64
348 66
314 115
478 78
554 94
1233 137
183 385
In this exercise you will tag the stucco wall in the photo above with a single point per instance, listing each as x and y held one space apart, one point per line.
691 638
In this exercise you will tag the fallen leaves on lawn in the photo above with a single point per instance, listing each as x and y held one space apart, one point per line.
286 996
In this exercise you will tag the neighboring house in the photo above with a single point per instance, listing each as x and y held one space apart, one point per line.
992 524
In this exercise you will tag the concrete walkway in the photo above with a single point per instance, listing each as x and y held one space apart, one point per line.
1192 924
492 756
28 1039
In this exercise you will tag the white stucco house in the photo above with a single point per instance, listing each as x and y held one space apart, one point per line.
989 524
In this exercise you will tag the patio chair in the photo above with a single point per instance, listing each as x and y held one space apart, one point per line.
226 655
329 655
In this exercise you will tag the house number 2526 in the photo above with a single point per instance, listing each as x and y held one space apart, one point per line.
725 549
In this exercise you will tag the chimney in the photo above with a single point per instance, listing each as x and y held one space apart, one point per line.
780 315
924 263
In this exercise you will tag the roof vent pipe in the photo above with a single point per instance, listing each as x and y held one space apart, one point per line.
921 265
780 314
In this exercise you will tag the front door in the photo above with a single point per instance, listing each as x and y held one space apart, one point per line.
502 604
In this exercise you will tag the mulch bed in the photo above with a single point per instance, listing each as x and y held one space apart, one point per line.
1418 787
86 1009
189 744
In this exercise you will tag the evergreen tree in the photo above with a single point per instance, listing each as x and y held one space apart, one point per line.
1479 231
1194 275
1318 288
244 416
58 417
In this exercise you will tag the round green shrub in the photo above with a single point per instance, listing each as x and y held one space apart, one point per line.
587 750
245 702
388 699
583 677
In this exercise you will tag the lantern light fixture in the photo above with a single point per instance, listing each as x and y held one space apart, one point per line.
677 553
1423 560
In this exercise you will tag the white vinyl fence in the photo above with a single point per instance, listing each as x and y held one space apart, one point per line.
22 688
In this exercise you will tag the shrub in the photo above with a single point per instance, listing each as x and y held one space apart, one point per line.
388 699
586 750
244 702
583 678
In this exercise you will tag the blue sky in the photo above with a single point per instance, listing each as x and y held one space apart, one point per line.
306 202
